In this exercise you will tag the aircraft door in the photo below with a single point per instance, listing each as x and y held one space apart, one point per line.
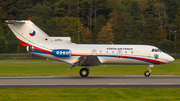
119 53
94 52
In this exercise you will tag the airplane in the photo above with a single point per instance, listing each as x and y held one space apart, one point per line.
62 49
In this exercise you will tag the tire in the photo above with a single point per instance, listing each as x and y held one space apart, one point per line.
147 74
84 72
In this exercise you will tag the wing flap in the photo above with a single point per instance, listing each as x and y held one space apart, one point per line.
89 61
86 61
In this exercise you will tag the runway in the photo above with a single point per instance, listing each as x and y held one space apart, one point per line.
91 81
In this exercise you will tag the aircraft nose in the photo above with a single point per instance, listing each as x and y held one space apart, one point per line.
170 58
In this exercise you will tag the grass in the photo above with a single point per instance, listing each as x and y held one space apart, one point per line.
177 60
27 61
90 94
61 69
7 68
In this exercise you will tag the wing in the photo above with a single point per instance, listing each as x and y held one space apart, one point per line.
87 61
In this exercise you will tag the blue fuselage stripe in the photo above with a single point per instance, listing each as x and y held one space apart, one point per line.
115 56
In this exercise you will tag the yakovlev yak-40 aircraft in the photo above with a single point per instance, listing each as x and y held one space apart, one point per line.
62 49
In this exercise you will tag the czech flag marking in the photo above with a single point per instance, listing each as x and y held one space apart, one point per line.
32 33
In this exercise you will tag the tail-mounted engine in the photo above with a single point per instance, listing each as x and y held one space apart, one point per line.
30 48
62 52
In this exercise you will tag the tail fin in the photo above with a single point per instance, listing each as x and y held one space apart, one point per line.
27 32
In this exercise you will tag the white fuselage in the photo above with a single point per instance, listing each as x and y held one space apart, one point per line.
111 54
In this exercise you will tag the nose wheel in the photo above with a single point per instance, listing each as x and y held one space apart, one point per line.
147 73
84 72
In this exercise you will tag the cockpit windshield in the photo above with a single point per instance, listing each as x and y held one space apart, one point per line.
159 50
156 50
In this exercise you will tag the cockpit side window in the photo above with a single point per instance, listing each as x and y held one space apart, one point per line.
156 50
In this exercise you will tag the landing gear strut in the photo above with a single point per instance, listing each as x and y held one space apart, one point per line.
84 72
147 73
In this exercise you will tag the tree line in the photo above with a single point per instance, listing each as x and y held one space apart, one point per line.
152 22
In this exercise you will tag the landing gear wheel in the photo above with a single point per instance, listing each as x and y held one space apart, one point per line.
147 73
84 72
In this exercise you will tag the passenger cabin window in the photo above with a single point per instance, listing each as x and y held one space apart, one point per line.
100 52
156 50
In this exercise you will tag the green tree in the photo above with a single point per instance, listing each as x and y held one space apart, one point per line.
98 4
151 32
86 36
133 8
125 29
17 7
53 29
3 41
132 21
115 5
105 36
137 23
101 21
63 23
60 8
166 46
172 7
160 11
40 15
2 44
126 2
3 12
177 34
73 27
143 6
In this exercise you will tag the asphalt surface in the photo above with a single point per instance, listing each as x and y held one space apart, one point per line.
91 81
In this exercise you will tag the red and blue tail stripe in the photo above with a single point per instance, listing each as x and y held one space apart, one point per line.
42 51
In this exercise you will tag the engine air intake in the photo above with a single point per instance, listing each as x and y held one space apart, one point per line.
30 48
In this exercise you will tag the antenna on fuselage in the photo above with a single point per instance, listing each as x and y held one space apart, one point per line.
111 42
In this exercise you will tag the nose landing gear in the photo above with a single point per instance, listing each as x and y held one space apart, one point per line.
147 73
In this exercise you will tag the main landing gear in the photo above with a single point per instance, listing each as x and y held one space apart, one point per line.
84 72
147 73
